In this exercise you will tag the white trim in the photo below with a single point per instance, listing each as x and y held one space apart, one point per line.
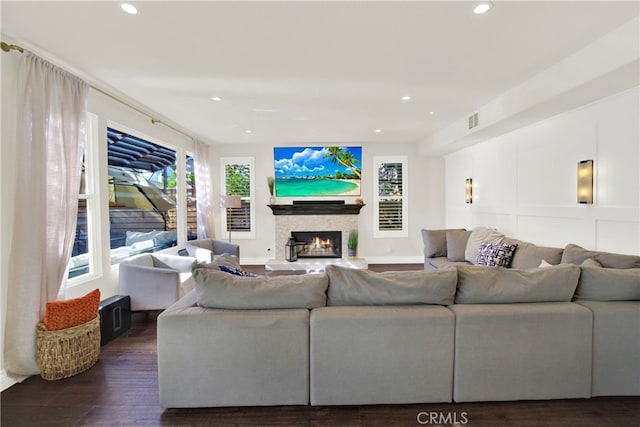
404 232
6 381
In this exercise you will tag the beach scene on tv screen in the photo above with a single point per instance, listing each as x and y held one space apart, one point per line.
317 171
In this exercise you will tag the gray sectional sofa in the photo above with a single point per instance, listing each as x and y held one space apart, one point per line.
463 333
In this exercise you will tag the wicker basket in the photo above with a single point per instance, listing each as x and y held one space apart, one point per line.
67 352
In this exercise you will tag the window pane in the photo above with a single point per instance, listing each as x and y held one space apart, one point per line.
390 179
79 263
142 189
192 217
238 183
390 214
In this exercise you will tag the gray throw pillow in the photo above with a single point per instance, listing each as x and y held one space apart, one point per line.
363 287
574 254
529 255
477 237
457 244
608 284
435 243
216 289
495 285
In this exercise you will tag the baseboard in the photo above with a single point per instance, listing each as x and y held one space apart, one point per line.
6 381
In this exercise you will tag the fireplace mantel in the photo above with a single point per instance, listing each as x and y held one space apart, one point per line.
317 209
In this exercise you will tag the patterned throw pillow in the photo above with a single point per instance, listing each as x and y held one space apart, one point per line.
496 254
72 312
236 271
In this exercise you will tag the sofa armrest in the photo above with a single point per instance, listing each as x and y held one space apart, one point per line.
150 288
221 247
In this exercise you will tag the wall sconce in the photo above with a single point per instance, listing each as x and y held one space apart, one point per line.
469 191
585 182
230 202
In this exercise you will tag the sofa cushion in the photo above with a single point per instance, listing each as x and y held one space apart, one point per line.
496 254
443 262
608 284
529 255
435 242
217 289
495 285
477 236
574 254
363 287
457 244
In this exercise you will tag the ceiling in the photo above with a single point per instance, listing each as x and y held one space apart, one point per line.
293 72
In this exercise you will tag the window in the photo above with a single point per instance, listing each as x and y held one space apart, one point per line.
391 197
238 180
85 249
142 183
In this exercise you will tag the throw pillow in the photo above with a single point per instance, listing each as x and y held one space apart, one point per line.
574 254
477 236
529 255
435 243
590 262
456 244
72 312
236 271
496 254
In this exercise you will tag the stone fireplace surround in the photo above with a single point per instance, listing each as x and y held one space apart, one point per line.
285 224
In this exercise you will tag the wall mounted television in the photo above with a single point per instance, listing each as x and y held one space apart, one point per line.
317 171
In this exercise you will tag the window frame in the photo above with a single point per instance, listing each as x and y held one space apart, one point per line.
404 231
92 178
240 235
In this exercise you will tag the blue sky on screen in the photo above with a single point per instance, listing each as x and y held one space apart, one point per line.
308 161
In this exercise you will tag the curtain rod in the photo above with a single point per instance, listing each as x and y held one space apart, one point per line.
9 47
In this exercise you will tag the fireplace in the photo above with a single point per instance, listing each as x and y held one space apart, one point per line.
318 244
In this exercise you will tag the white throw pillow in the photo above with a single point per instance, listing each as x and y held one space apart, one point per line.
477 236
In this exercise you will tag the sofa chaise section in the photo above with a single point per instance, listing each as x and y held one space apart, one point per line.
209 357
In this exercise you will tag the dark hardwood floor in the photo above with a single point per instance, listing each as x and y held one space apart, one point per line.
122 390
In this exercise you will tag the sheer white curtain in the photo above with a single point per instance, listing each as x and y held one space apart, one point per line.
50 138
204 208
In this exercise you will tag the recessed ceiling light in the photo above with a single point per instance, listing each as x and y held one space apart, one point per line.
431 113
378 130
482 8
216 98
129 8
248 131
406 98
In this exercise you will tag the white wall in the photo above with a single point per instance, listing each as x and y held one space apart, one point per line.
426 201
524 182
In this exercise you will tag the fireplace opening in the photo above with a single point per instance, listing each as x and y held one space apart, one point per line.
318 244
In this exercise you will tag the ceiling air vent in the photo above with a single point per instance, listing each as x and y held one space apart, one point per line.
473 121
